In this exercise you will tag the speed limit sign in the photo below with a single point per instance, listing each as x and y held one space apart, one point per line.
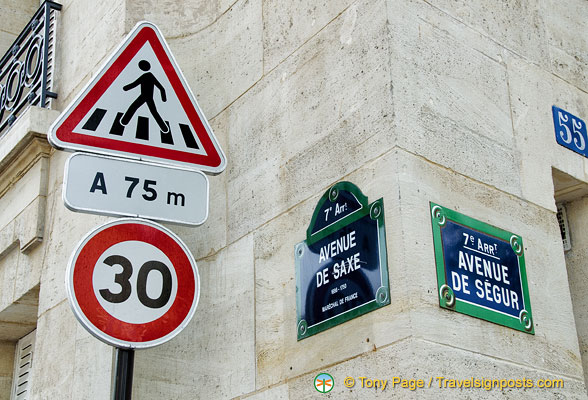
132 283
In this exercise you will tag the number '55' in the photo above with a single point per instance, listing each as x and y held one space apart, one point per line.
566 133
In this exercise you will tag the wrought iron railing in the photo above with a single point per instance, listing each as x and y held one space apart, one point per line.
26 70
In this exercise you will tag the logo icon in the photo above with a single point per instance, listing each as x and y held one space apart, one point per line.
324 383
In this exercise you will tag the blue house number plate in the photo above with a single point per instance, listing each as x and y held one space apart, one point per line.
570 131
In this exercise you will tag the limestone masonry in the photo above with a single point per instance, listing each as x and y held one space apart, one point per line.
415 102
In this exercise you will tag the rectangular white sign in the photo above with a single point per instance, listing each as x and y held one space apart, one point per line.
112 186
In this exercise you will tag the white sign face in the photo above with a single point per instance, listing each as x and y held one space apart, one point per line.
132 283
112 186
131 310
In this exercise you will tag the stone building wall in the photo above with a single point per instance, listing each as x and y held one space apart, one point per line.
411 100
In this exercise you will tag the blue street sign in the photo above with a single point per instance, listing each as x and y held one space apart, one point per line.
480 270
341 268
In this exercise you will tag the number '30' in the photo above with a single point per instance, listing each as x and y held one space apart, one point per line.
123 280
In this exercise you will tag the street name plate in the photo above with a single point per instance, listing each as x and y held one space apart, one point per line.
113 186
341 267
480 270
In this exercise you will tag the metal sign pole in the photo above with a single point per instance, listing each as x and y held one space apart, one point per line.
123 379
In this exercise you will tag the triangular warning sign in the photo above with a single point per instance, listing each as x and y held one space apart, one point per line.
140 106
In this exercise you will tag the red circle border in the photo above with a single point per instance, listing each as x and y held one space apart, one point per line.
84 262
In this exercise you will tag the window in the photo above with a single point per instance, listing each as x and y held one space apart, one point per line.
23 362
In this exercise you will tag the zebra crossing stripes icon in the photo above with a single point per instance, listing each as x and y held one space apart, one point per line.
184 136
139 106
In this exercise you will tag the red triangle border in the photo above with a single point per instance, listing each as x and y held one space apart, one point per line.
143 33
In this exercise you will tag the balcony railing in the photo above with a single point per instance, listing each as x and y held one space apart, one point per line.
26 70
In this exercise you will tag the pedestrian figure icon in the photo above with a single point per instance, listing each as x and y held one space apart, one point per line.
147 83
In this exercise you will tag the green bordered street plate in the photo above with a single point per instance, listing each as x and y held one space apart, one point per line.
341 267
480 270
